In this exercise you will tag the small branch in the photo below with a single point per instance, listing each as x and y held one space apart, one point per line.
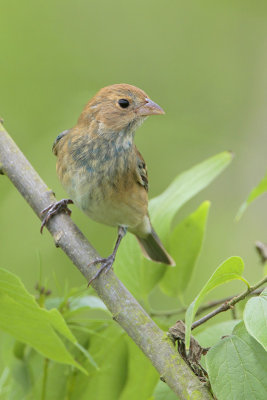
229 304
44 382
234 313
262 250
167 313
125 309
201 309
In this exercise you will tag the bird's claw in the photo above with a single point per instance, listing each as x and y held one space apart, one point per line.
54 209
106 264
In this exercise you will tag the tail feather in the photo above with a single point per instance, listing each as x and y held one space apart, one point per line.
153 249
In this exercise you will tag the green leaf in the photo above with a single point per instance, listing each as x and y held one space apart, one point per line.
256 192
84 305
110 351
33 365
129 265
19 386
163 392
185 245
141 275
209 336
58 380
164 207
138 367
86 301
229 270
255 318
4 381
21 317
58 376
237 367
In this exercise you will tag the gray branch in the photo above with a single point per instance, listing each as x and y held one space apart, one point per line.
122 305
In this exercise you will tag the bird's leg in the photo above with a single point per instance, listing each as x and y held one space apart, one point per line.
106 263
54 209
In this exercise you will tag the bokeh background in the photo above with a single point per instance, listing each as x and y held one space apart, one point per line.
203 62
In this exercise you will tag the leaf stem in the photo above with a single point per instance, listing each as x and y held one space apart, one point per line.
45 373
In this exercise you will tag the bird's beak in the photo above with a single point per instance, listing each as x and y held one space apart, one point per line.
149 108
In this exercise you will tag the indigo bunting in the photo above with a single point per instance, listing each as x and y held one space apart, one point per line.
101 169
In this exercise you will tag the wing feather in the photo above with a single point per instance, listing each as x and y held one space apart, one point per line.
141 170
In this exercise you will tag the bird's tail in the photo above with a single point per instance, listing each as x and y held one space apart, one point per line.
153 249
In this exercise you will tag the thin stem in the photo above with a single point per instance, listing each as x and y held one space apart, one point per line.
44 382
229 304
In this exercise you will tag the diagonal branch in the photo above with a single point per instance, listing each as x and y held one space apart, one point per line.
123 306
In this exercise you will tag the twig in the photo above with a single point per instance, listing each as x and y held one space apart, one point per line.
201 309
44 380
234 313
229 304
123 306
262 250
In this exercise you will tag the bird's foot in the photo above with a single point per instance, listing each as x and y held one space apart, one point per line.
55 208
106 264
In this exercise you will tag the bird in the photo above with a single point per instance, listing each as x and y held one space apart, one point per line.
103 172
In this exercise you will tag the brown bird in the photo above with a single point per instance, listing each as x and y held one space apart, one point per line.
104 173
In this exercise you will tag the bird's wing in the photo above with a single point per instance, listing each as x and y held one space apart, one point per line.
60 136
141 171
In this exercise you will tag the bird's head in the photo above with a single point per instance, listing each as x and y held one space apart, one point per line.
119 106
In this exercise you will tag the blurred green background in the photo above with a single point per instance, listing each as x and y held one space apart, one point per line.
203 62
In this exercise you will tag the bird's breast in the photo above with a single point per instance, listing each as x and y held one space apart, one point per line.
98 176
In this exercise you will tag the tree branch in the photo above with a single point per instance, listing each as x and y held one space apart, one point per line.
123 306
262 250
229 304
201 309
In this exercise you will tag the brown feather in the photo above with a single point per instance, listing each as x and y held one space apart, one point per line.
154 250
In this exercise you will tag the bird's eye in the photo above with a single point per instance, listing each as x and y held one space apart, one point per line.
123 103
